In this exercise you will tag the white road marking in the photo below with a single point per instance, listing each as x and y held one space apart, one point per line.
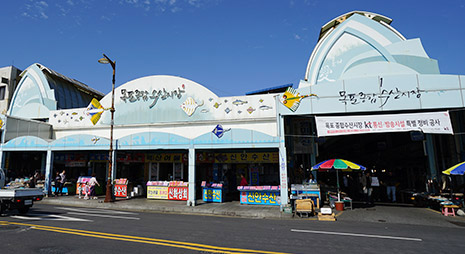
106 216
102 211
359 235
39 216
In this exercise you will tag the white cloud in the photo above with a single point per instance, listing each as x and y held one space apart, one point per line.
297 37
43 3
36 10
43 15
172 6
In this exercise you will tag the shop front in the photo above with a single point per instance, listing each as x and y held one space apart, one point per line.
371 96
220 171
78 164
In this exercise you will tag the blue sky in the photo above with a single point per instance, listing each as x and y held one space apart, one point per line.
230 46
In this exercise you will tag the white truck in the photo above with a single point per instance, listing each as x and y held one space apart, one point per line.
17 198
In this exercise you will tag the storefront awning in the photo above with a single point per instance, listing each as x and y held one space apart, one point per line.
433 122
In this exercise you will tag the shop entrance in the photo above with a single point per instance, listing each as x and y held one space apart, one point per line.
402 154
259 166
174 171
24 164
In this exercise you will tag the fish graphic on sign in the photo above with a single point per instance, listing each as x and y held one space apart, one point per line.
291 98
190 105
219 130
239 102
94 110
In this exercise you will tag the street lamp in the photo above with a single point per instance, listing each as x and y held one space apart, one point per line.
108 194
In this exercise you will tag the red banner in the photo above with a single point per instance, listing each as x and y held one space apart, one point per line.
121 190
177 193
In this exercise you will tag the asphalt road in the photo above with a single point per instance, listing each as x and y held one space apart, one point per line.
54 229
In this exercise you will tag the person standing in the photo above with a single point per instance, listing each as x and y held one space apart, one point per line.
57 183
62 182
367 188
391 187
243 181
92 182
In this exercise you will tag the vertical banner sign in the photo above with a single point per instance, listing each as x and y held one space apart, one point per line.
254 176
434 122
216 177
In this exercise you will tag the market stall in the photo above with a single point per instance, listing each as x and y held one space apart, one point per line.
121 188
259 195
306 191
212 192
173 190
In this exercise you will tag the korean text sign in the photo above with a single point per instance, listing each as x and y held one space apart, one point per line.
434 122
260 197
212 195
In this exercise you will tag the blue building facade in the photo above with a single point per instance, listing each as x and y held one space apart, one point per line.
362 66
172 128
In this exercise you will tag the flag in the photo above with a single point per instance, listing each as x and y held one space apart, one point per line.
94 111
219 131
291 98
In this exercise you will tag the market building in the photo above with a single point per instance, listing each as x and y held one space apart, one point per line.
166 129
369 95
377 99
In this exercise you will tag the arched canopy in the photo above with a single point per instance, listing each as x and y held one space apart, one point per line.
41 90
361 44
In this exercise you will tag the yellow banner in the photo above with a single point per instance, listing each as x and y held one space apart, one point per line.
157 192
271 157
163 157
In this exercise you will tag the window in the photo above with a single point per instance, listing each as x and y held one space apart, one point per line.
5 80
2 92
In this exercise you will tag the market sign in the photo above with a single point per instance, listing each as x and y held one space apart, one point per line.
434 122
164 157
259 197
271 157
212 195
157 192
177 193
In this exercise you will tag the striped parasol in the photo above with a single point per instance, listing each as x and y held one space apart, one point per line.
336 165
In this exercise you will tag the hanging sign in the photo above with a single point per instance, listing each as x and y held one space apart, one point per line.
270 157
164 157
434 122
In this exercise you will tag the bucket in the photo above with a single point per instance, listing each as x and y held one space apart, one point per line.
339 205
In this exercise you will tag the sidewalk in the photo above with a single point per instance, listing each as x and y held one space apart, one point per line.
379 213
234 209
401 214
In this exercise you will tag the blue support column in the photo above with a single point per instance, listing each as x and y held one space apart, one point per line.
113 167
48 173
2 160
191 169
282 164
432 172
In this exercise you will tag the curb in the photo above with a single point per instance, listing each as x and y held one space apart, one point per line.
187 210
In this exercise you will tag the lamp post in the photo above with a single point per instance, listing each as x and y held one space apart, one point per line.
108 194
